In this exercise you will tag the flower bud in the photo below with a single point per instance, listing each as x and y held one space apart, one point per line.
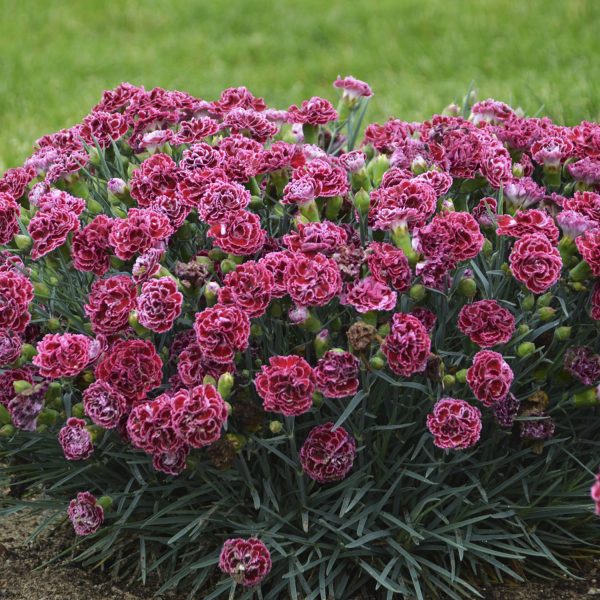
528 302
417 292
228 265
321 342
78 411
523 328
448 381
452 110
362 201
94 207
588 397
563 333
377 363
544 300
23 242
137 326
7 431
384 330
488 248
21 387
209 380
418 165
27 352
225 385
116 186
333 206
517 170
256 203
377 167
4 415
41 289
275 427
467 287
581 272
546 313
211 291
317 399
48 416
105 502
461 376
525 349
53 324
256 330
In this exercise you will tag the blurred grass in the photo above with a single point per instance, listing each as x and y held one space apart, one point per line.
56 57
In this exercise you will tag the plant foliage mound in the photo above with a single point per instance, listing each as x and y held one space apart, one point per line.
253 353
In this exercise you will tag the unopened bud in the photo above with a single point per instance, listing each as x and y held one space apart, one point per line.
23 241
588 397
275 427
4 415
21 386
544 300
467 287
525 349
48 416
362 201
225 385
523 328
377 167
53 324
377 363
418 165
105 502
28 352
77 410
321 342
546 313
209 380
228 266
461 376
448 381
417 292
528 302
563 333
7 431
211 292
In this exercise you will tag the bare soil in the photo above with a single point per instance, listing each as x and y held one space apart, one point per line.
22 576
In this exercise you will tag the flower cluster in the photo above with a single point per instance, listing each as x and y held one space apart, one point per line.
188 278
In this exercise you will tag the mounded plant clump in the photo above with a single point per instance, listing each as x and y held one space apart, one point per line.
248 354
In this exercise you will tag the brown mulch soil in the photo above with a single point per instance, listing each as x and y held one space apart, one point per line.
22 579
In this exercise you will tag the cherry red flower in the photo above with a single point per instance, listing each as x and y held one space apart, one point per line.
159 304
312 280
248 561
133 367
85 513
109 304
455 424
63 355
221 331
198 415
536 263
407 346
486 323
286 385
490 377
249 287
337 373
75 440
328 454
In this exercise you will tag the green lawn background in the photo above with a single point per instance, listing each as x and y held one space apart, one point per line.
57 56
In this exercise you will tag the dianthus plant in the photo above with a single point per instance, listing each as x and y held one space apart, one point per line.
251 352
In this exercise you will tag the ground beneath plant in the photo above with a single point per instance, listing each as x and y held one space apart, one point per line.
23 576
